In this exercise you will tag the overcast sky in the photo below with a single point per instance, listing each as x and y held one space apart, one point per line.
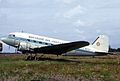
63 19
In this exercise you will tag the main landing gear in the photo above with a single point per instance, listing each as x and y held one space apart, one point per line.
33 57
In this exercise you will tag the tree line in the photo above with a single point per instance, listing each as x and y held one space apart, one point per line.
114 49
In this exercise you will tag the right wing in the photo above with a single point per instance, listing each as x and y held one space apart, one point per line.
61 48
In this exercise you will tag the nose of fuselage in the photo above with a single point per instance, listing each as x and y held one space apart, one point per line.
7 40
3 39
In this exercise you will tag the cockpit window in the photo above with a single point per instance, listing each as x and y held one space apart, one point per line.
11 35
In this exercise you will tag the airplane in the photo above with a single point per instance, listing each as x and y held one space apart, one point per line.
30 43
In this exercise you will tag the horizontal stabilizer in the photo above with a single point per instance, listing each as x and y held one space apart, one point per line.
61 48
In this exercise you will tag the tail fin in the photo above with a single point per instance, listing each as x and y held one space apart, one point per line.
101 43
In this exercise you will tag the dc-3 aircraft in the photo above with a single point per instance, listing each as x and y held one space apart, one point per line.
30 43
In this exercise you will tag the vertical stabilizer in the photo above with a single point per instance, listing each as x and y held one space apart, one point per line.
101 44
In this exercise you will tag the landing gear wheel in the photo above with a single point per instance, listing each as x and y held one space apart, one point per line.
28 58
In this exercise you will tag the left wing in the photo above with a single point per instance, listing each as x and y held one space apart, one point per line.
61 48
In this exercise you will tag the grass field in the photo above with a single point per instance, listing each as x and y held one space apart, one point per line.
61 68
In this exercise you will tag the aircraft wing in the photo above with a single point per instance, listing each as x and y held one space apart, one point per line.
61 48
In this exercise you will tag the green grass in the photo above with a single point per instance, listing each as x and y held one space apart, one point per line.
53 68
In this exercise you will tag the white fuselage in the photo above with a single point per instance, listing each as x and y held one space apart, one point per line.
25 41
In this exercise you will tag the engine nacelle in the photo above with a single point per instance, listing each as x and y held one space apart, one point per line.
23 46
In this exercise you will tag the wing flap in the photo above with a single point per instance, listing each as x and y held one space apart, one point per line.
61 48
101 53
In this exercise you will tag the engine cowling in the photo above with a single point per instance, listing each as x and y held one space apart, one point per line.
26 46
23 46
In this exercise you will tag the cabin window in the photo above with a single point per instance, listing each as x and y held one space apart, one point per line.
28 40
40 42
34 41
46 43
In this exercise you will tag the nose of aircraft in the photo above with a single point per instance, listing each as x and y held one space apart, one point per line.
7 41
3 39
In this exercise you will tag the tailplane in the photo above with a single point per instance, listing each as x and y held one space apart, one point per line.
101 44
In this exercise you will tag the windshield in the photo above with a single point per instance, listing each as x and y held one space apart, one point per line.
11 35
